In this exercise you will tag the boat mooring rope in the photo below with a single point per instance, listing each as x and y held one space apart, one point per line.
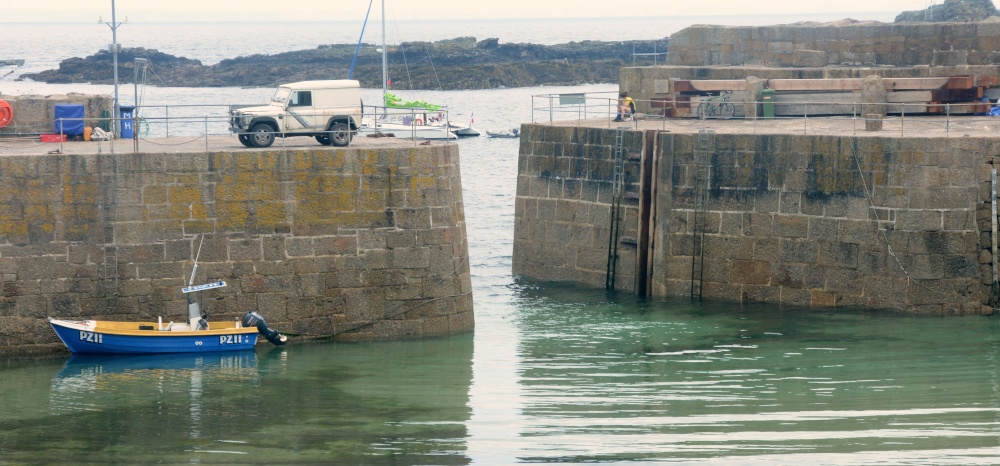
882 230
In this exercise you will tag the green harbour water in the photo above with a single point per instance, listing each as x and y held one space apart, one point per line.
566 375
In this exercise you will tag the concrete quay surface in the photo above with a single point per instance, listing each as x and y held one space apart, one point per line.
186 144
892 126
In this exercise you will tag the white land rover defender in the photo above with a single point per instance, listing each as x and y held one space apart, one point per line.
328 110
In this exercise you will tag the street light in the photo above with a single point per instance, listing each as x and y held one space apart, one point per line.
143 63
138 63
115 48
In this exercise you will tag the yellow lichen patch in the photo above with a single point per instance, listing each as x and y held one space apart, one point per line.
271 214
255 161
372 200
187 180
180 211
81 194
231 215
199 211
194 227
248 187
78 220
346 219
40 216
422 182
184 194
8 193
342 201
371 166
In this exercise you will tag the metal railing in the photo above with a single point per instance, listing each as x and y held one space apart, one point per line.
202 120
836 117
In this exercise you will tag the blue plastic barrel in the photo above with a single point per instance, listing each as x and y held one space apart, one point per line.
128 127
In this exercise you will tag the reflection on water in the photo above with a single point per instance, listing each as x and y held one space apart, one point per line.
609 380
97 383
324 403
568 375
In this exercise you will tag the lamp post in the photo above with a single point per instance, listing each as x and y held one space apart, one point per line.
143 63
114 58
138 63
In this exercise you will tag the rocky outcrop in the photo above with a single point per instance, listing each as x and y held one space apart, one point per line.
952 11
454 64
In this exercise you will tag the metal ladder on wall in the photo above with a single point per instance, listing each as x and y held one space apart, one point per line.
702 161
617 190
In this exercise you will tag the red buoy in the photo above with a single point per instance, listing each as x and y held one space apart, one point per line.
6 113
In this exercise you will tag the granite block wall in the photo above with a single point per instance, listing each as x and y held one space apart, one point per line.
823 221
563 208
351 244
840 43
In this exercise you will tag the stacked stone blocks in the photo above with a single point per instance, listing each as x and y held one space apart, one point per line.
810 45
790 222
876 222
356 244
563 209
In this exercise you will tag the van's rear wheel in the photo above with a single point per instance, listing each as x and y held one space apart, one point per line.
262 135
340 134
324 139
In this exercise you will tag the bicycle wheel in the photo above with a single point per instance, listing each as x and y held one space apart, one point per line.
703 109
726 110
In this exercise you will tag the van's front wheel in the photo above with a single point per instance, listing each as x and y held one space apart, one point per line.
262 135
340 134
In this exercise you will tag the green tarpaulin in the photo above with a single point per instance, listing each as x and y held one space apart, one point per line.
395 102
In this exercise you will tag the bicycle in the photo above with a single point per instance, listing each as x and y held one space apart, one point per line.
717 107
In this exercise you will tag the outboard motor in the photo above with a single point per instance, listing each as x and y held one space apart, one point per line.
253 319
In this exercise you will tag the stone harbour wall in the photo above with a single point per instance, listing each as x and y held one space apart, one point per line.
36 114
839 43
350 244
823 221
563 208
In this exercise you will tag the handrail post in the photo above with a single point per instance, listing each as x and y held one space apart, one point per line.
947 119
805 120
902 118
551 109
854 118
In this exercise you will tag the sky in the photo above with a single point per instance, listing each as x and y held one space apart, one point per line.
84 11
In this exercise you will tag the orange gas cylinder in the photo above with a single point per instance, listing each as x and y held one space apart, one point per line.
6 113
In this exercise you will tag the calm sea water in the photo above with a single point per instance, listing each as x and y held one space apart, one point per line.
553 373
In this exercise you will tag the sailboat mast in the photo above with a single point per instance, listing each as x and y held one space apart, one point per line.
385 59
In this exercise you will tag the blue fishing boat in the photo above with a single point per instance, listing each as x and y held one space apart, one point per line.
194 336
111 337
